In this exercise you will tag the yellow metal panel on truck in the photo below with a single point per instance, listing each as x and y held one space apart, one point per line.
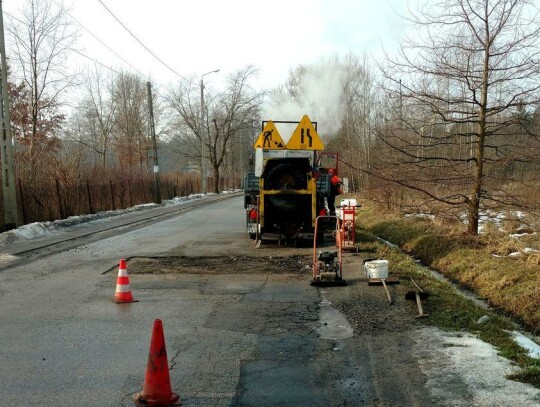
305 137
270 139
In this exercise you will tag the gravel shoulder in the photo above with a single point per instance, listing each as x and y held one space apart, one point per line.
448 368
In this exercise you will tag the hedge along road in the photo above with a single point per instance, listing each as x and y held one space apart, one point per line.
243 327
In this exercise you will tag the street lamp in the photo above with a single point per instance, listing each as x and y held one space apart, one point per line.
203 166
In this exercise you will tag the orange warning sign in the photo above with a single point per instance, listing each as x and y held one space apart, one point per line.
305 137
269 139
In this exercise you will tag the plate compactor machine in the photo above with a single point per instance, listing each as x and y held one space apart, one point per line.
327 264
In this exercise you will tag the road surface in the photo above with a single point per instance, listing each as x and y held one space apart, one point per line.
243 327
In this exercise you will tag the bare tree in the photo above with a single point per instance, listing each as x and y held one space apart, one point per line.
227 114
132 141
93 124
361 107
235 110
43 38
184 124
460 86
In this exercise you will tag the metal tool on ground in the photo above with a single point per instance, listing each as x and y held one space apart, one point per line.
417 295
327 265
387 292
383 253
157 389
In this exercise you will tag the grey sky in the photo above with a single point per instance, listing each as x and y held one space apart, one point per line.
195 37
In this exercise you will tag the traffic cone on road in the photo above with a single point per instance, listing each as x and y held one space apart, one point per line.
123 292
157 383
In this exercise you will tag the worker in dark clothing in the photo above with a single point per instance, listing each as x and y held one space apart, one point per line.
335 189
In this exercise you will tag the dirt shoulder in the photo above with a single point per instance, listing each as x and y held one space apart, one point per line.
450 367
509 285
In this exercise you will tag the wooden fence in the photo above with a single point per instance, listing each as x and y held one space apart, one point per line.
58 199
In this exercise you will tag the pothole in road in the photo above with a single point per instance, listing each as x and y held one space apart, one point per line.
219 265
334 324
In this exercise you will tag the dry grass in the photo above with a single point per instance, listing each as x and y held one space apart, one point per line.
509 284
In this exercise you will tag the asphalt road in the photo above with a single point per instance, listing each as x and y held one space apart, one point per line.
249 333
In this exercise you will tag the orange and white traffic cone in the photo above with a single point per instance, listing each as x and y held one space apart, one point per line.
157 389
123 292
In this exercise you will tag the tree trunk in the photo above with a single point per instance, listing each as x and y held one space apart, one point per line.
216 179
473 207
474 203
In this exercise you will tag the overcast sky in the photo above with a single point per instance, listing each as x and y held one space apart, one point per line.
197 36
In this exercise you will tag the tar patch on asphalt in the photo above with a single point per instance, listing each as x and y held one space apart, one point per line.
220 265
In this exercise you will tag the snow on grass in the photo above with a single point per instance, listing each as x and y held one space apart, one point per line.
520 253
532 348
495 218
420 215
459 363
518 235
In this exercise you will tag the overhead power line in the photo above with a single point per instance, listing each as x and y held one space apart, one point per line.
96 61
144 46
99 40
71 48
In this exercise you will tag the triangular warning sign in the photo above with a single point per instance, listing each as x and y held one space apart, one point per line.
270 139
305 137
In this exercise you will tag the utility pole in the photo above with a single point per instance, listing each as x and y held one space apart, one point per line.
203 167
242 150
157 187
11 219
203 157
401 105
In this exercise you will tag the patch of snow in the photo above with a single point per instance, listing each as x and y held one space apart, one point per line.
31 230
482 320
389 244
495 217
519 214
515 255
421 215
516 235
230 191
457 364
38 229
526 250
176 201
532 348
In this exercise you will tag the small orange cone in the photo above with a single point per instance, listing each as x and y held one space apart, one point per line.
157 383
123 292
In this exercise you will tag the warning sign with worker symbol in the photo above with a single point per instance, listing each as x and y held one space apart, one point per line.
305 137
269 139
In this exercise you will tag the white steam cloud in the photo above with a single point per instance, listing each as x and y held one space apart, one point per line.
315 90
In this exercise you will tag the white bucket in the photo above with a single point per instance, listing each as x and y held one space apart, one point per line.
345 202
376 269
348 202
